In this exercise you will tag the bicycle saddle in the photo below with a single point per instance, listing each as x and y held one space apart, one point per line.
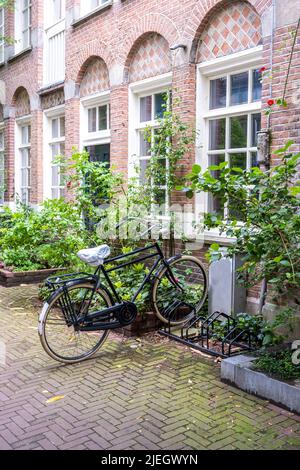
94 256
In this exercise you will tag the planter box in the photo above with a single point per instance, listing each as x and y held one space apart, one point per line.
143 324
238 371
13 279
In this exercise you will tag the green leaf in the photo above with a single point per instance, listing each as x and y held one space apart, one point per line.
190 194
215 247
196 169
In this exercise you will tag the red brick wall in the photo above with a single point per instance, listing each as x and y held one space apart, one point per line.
130 41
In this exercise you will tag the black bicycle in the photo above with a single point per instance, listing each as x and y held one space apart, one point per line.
83 308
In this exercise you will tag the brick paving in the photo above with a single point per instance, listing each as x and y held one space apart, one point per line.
132 395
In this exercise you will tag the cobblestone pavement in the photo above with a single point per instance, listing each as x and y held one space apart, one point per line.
132 395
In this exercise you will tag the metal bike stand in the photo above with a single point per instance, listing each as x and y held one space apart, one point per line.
235 341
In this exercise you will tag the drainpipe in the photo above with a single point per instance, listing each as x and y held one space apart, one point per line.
263 146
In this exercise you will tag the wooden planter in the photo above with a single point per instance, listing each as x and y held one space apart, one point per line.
13 279
143 324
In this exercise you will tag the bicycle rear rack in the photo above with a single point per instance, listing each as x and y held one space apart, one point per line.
199 333
56 282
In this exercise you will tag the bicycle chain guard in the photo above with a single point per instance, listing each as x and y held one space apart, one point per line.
127 313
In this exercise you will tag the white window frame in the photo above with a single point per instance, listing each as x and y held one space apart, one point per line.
99 137
2 164
50 115
19 28
24 121
88 6
50 19
2 35
138 90
217 68
54 45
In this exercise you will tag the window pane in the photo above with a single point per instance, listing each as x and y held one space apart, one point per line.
25 135
160 105
256 127
99 153
146 109
145 146
238 160
143 171
55 193
25 38
1 141
215 204
29 133
92 119
254 160
55 176
102 118
54 128
62 127
257 86
24 158
239 88
160 178
217 134
218 93
238 132
55 150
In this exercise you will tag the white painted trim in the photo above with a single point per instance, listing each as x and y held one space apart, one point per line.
239 60
55 111
23 119
96 99
151 83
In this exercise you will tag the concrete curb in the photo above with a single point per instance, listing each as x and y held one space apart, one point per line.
237 370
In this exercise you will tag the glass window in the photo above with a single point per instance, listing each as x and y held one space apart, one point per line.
102 118
238 131
25 164
256 85
152 108
231 136
256 127
239 88
92 120
57 148
160 105
218 92
98 118
146 109
217 134
2 169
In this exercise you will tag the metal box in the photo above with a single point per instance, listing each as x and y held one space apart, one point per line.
225 293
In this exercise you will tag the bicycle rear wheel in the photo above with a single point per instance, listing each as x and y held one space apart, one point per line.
62 341
179 296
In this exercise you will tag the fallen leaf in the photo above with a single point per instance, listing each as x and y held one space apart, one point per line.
55 399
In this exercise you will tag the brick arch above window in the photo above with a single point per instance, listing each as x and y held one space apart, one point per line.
234 28
95 77
150 56
204 11
21 102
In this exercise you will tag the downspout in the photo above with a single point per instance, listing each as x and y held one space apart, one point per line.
265 146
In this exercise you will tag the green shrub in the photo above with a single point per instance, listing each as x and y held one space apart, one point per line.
278 364
49 238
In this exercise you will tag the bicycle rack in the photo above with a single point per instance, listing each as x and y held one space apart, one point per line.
199 333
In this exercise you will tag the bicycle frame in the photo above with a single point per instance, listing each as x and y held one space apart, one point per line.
160 260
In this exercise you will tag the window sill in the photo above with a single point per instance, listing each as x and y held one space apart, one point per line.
91 14
20 54
51 88
214 237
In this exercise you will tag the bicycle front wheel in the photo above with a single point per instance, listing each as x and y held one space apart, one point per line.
59 338
180 291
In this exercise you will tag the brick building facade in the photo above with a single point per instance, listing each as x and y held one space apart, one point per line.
91 74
